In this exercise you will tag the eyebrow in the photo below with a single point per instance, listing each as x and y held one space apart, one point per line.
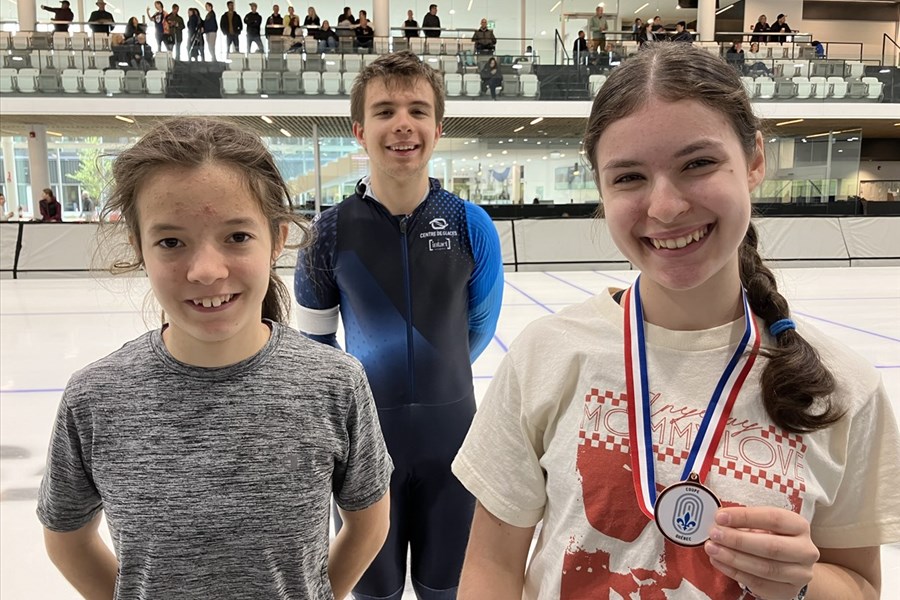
159 228
389 104
685 151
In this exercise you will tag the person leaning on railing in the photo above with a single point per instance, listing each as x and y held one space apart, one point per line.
62 16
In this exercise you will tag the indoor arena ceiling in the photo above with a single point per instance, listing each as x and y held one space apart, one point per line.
454 127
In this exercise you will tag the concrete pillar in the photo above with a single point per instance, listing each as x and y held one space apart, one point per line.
706 20
38 165
10 181
381 18
27 12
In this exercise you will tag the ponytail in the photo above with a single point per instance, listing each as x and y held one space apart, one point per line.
794 378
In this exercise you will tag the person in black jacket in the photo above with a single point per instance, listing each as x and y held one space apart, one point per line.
210 29
780 25
195 35
682 34
762 26
431 23
101 20
134 27
365 35
274 24
326 37
176 30
231 26
410 26
580 49
253 21
62 16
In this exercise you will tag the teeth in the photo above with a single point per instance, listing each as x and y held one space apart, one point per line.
213 301
680 242
400 148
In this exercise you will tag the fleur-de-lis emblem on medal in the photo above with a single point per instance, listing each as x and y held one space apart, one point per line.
685 522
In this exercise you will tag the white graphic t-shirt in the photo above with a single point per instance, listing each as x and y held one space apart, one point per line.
550 444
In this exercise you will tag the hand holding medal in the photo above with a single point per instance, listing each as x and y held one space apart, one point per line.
767 550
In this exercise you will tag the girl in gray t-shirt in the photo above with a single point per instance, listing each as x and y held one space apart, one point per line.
214 444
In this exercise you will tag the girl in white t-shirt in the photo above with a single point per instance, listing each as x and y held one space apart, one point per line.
695 374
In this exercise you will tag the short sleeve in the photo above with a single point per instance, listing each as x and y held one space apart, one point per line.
866 507
67 498
499 461
315 286
365 476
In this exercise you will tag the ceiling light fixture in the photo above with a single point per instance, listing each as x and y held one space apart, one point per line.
126 119
788 122
285 132
266 119
642 7
555 6
518 129
536 121
723 9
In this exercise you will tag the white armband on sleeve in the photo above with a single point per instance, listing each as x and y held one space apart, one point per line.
317 321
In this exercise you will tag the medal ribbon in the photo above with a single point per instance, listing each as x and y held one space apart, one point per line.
639 411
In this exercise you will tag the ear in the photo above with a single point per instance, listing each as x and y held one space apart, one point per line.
280 241
756 171
359 134
136 246
438 131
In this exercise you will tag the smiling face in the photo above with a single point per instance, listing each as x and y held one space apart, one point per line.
678 205
399 131
207 250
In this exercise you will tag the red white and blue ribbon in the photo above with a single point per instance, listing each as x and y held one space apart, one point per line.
717 411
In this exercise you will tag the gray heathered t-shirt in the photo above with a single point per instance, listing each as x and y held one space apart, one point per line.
216 482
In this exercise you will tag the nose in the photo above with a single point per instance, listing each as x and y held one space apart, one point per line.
665 202
402 122
207 265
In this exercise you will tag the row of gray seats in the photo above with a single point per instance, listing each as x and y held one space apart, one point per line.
76 81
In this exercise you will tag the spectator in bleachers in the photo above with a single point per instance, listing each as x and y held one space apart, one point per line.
231 26
141 53
643 34
274 24
121 49
195 35
762 26
657 31
62 16
484 39
365 35
4 215
211 30
176 30
410 26
326 37
292 23
363 13
820 49
51 209
780 25
635 28
597 27
431 23
346 17
101 20
491 77
580 49
312 19
735 55
253 21
134 27
159 22
606 58
754 61
682 34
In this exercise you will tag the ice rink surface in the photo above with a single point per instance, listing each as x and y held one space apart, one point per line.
50 328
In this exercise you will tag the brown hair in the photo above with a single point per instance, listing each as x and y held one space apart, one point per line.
796 386
398 69
192 142
50 193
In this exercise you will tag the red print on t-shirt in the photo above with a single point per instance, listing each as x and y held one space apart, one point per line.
758 453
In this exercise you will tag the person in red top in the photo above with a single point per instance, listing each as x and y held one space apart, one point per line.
51 209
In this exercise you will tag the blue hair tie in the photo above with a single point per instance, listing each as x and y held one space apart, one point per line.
779 327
